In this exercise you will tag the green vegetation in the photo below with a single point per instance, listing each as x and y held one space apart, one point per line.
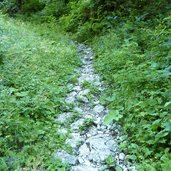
110 162
131 40
136 68
88 123
36 65
134 59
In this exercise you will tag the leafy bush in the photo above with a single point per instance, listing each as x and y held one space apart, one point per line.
135 65
132 45
30 6
37 64
78 19
8 6
54 8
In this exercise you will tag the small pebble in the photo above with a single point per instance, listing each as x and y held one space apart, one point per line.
121 156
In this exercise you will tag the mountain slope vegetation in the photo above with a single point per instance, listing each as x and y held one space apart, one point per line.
132 45
138 77
36 66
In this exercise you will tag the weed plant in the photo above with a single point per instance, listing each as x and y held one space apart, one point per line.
134 60
37 63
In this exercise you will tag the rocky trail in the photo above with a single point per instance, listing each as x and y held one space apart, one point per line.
94 145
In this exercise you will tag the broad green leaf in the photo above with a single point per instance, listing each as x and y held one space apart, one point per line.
113 115
167 126
167 104
118 168
22 94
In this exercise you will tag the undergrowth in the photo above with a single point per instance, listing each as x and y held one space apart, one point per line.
135 64
36 66
131 40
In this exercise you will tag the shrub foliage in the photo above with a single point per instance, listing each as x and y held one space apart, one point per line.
132 42
34 72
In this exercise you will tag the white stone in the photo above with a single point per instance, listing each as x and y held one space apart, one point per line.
99 150
87 162
66 158
98 127
121 156
84 151
97 120
83 168
72 94
77 124
88 135
84 92
112 145
70 99
96 102
100 132
86 77
81 160
98 109
104 155
62 118
92 132
78 110
74 140
77 88
62 131
94 156
103 127
82 99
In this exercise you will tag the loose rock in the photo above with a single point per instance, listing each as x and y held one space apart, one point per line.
93 146
121 156
83 168
98 109
64 117
75 140
76 125
66 158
